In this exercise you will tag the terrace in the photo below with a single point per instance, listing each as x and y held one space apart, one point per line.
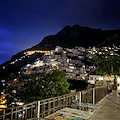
82 103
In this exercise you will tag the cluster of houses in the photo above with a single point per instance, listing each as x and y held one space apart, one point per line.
68 60
72 61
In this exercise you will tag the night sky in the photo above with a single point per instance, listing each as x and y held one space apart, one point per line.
24 23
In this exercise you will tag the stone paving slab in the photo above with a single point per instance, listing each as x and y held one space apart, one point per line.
109 108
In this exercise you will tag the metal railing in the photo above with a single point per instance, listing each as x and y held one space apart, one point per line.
42 108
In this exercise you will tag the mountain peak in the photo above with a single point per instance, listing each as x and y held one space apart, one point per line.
65 30
76 26
77 36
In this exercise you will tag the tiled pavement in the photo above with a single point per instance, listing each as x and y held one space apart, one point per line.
109 108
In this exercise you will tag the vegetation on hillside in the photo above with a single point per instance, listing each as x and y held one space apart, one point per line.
107 65
41 86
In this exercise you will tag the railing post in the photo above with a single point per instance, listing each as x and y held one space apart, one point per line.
63 101
93 95
53 105
38 109
80 96
12 114
16 113
3 114
31 114
23 113
76 96
66 100
49 107
60 103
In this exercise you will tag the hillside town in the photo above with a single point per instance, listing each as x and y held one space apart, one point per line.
71 60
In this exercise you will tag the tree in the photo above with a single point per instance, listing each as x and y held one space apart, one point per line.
58 85
41 86
107 65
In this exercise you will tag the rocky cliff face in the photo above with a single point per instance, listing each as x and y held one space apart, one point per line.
79 36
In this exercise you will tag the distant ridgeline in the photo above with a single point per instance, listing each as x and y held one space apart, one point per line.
70 37
76 35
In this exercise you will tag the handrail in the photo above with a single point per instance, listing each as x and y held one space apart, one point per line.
42 108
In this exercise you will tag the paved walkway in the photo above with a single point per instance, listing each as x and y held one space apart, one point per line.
109 108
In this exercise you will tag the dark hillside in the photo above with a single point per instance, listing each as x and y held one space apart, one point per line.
79 36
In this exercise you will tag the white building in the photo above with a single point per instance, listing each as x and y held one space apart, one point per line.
38 63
